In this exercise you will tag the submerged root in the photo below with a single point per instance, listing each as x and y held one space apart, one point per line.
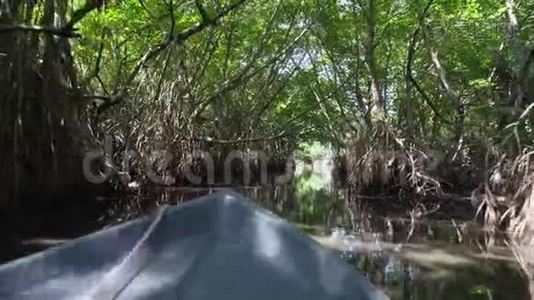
385 167
384 162
506 200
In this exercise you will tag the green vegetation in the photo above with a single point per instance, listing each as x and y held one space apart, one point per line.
421 99
313 198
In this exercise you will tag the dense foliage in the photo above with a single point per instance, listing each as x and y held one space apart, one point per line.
451 78
421 101
449 74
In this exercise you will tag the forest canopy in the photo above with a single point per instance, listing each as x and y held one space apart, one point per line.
453 72
449 80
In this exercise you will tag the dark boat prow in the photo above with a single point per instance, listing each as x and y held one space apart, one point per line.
221 246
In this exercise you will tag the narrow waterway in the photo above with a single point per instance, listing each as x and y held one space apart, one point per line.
407 258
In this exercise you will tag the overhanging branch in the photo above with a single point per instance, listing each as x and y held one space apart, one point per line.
178 38
63 32
181 37
246 140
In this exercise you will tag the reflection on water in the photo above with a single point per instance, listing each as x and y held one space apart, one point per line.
409 259
438 267
426 259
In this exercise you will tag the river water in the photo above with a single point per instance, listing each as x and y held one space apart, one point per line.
438 261
417 259
410 258
407 258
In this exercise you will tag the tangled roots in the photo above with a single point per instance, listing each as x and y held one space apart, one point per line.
506 200
384 164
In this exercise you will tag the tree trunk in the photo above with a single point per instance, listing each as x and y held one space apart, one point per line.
376 95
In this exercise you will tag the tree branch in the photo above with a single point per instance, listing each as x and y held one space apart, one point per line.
178 38
202 10
412 48
249 140
244 75
514 24
80 13
453 97
63 32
